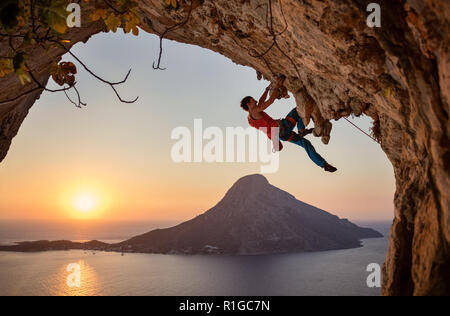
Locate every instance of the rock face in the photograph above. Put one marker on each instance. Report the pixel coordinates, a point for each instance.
(255, 218)
(335, 66)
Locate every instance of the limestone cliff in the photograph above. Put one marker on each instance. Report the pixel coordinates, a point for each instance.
(335, 66)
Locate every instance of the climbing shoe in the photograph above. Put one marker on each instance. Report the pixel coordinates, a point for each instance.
(329, 168)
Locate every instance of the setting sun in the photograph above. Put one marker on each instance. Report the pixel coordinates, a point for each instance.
(85, 203)
(86, 200)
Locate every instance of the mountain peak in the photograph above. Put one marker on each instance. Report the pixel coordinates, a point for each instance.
(248, 186)
(254, 217)
(252, 180)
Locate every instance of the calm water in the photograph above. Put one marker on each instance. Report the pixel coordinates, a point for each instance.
(340, 272)
(13, 231)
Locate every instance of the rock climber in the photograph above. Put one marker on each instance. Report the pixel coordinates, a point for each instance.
(259, 119)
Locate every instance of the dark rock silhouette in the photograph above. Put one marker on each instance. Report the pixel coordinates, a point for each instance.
(255, 217)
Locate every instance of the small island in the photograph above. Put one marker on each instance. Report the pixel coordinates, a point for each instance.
(253, 218)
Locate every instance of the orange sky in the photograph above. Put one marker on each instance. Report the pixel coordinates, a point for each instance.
(119, 155)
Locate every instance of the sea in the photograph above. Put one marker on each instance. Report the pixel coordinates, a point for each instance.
(88, 273)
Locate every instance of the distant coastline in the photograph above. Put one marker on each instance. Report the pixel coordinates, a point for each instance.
(95, 245)
(9, 243)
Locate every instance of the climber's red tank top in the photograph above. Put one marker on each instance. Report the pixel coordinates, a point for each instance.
(266, 122)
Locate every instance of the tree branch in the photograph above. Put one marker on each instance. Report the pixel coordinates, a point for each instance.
(167, 31)
(111, 84)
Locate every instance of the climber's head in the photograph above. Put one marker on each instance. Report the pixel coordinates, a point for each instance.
(246, 102)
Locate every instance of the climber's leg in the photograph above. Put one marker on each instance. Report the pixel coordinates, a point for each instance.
(286, 127)
(295, 119)
(306, 144)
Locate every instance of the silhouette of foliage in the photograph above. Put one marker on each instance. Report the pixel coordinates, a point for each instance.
(25, 24)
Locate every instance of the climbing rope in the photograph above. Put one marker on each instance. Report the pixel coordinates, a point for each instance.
(373, 138)
(274, 35)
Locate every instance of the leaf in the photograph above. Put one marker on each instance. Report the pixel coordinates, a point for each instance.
(20, 21)
(54, 14)
(172, 3)
(59, 27)
(64, 73)
(112, 22)
(131, 22)
(6, 67)
(98, 14)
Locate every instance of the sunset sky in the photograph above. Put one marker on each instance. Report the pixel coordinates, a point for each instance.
(111, 161)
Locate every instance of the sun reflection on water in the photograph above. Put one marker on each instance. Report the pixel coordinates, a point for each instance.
(89, 286)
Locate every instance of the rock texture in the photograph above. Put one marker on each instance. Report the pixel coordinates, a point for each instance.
(336, 66)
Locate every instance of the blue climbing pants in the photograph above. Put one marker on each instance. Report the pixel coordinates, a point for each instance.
(287, 134)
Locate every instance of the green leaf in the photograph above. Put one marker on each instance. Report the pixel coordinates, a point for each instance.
(53, 13)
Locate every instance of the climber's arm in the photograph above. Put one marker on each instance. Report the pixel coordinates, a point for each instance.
(263, 104)
(264, 96)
